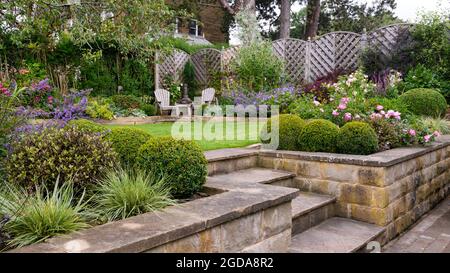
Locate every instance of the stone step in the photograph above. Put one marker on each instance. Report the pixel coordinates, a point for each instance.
(230, 160)
(336, 235)
(310, 209)
(253, 175)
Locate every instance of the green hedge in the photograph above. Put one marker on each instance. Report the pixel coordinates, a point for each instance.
(88, 126)
(425, 102)
(357, 138)
(182, 163)
(126, 142)
(318, 135)
(289, 128)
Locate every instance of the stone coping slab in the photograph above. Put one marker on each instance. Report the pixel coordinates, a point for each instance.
(381, 159)
(149, 230)
(232, 153)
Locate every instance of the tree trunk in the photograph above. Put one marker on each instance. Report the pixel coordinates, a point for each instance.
(312, 19)
(285, 19)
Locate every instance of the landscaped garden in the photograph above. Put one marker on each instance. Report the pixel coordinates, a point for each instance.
(65, 167)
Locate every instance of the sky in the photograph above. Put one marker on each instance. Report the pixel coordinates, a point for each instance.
(406, 10)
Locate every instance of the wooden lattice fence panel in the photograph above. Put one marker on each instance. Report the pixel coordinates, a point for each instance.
(347, 50)
(304, 61)
(206, 63)
(389, 39)
(172, 66)
(322, 56)
(293, 53)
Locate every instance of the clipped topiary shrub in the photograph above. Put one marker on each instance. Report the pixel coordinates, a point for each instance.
(318, 135)
(181, 162)
(425, 102)
(126, 142)
(126, 101)
(70, 154)
(357, 138)
(149, 109)
(87, 126)
(289, 128)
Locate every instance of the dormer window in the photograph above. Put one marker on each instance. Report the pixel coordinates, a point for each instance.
(194, 28)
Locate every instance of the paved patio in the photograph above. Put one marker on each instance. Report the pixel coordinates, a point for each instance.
(430, 235)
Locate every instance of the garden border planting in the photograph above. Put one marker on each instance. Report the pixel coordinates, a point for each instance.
(392, 189)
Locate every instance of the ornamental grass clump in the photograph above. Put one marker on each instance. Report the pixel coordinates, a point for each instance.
(35, 217)
(122, 193)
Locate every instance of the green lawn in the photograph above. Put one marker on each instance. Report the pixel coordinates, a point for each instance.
(234, 134)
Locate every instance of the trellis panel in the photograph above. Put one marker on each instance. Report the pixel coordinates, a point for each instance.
(206, 62)
(304, 61)
(172, 66)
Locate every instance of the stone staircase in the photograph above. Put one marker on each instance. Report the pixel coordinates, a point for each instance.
(315, 228)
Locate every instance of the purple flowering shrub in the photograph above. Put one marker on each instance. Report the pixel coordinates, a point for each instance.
(282, 97)
(38, 95)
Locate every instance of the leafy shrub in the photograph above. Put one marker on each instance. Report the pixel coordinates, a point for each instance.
(318, 135)
(431, 46)
(181, 162)
(126, 101)
(422, 77)
(389, 133)
(307, 107)
(149, 109)
(87, 126)
(318, 88)
(123, 193)
(99, 109)
(289, 126)
(126, 142)
(189, 79)
(388, 104)
(257, 68)
(35, 217)
(357, 138)
(426, 102)
(68, 153)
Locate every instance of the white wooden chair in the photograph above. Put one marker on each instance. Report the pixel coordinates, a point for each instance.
(208, 96)
(162, 98)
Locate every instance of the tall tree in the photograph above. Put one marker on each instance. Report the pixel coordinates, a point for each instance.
(312, 18)
(285, 19)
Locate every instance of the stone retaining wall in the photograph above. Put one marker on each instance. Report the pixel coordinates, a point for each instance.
(392, 188)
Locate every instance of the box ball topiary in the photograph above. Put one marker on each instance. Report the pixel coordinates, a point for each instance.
(88, 126)
(181, 162)
(357, 138)
(318, 135)
(126, 142)
(68, 153)
(289, 126)
(425, 102)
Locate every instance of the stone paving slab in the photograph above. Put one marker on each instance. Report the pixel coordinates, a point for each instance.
(430, 235)
(335, 235)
